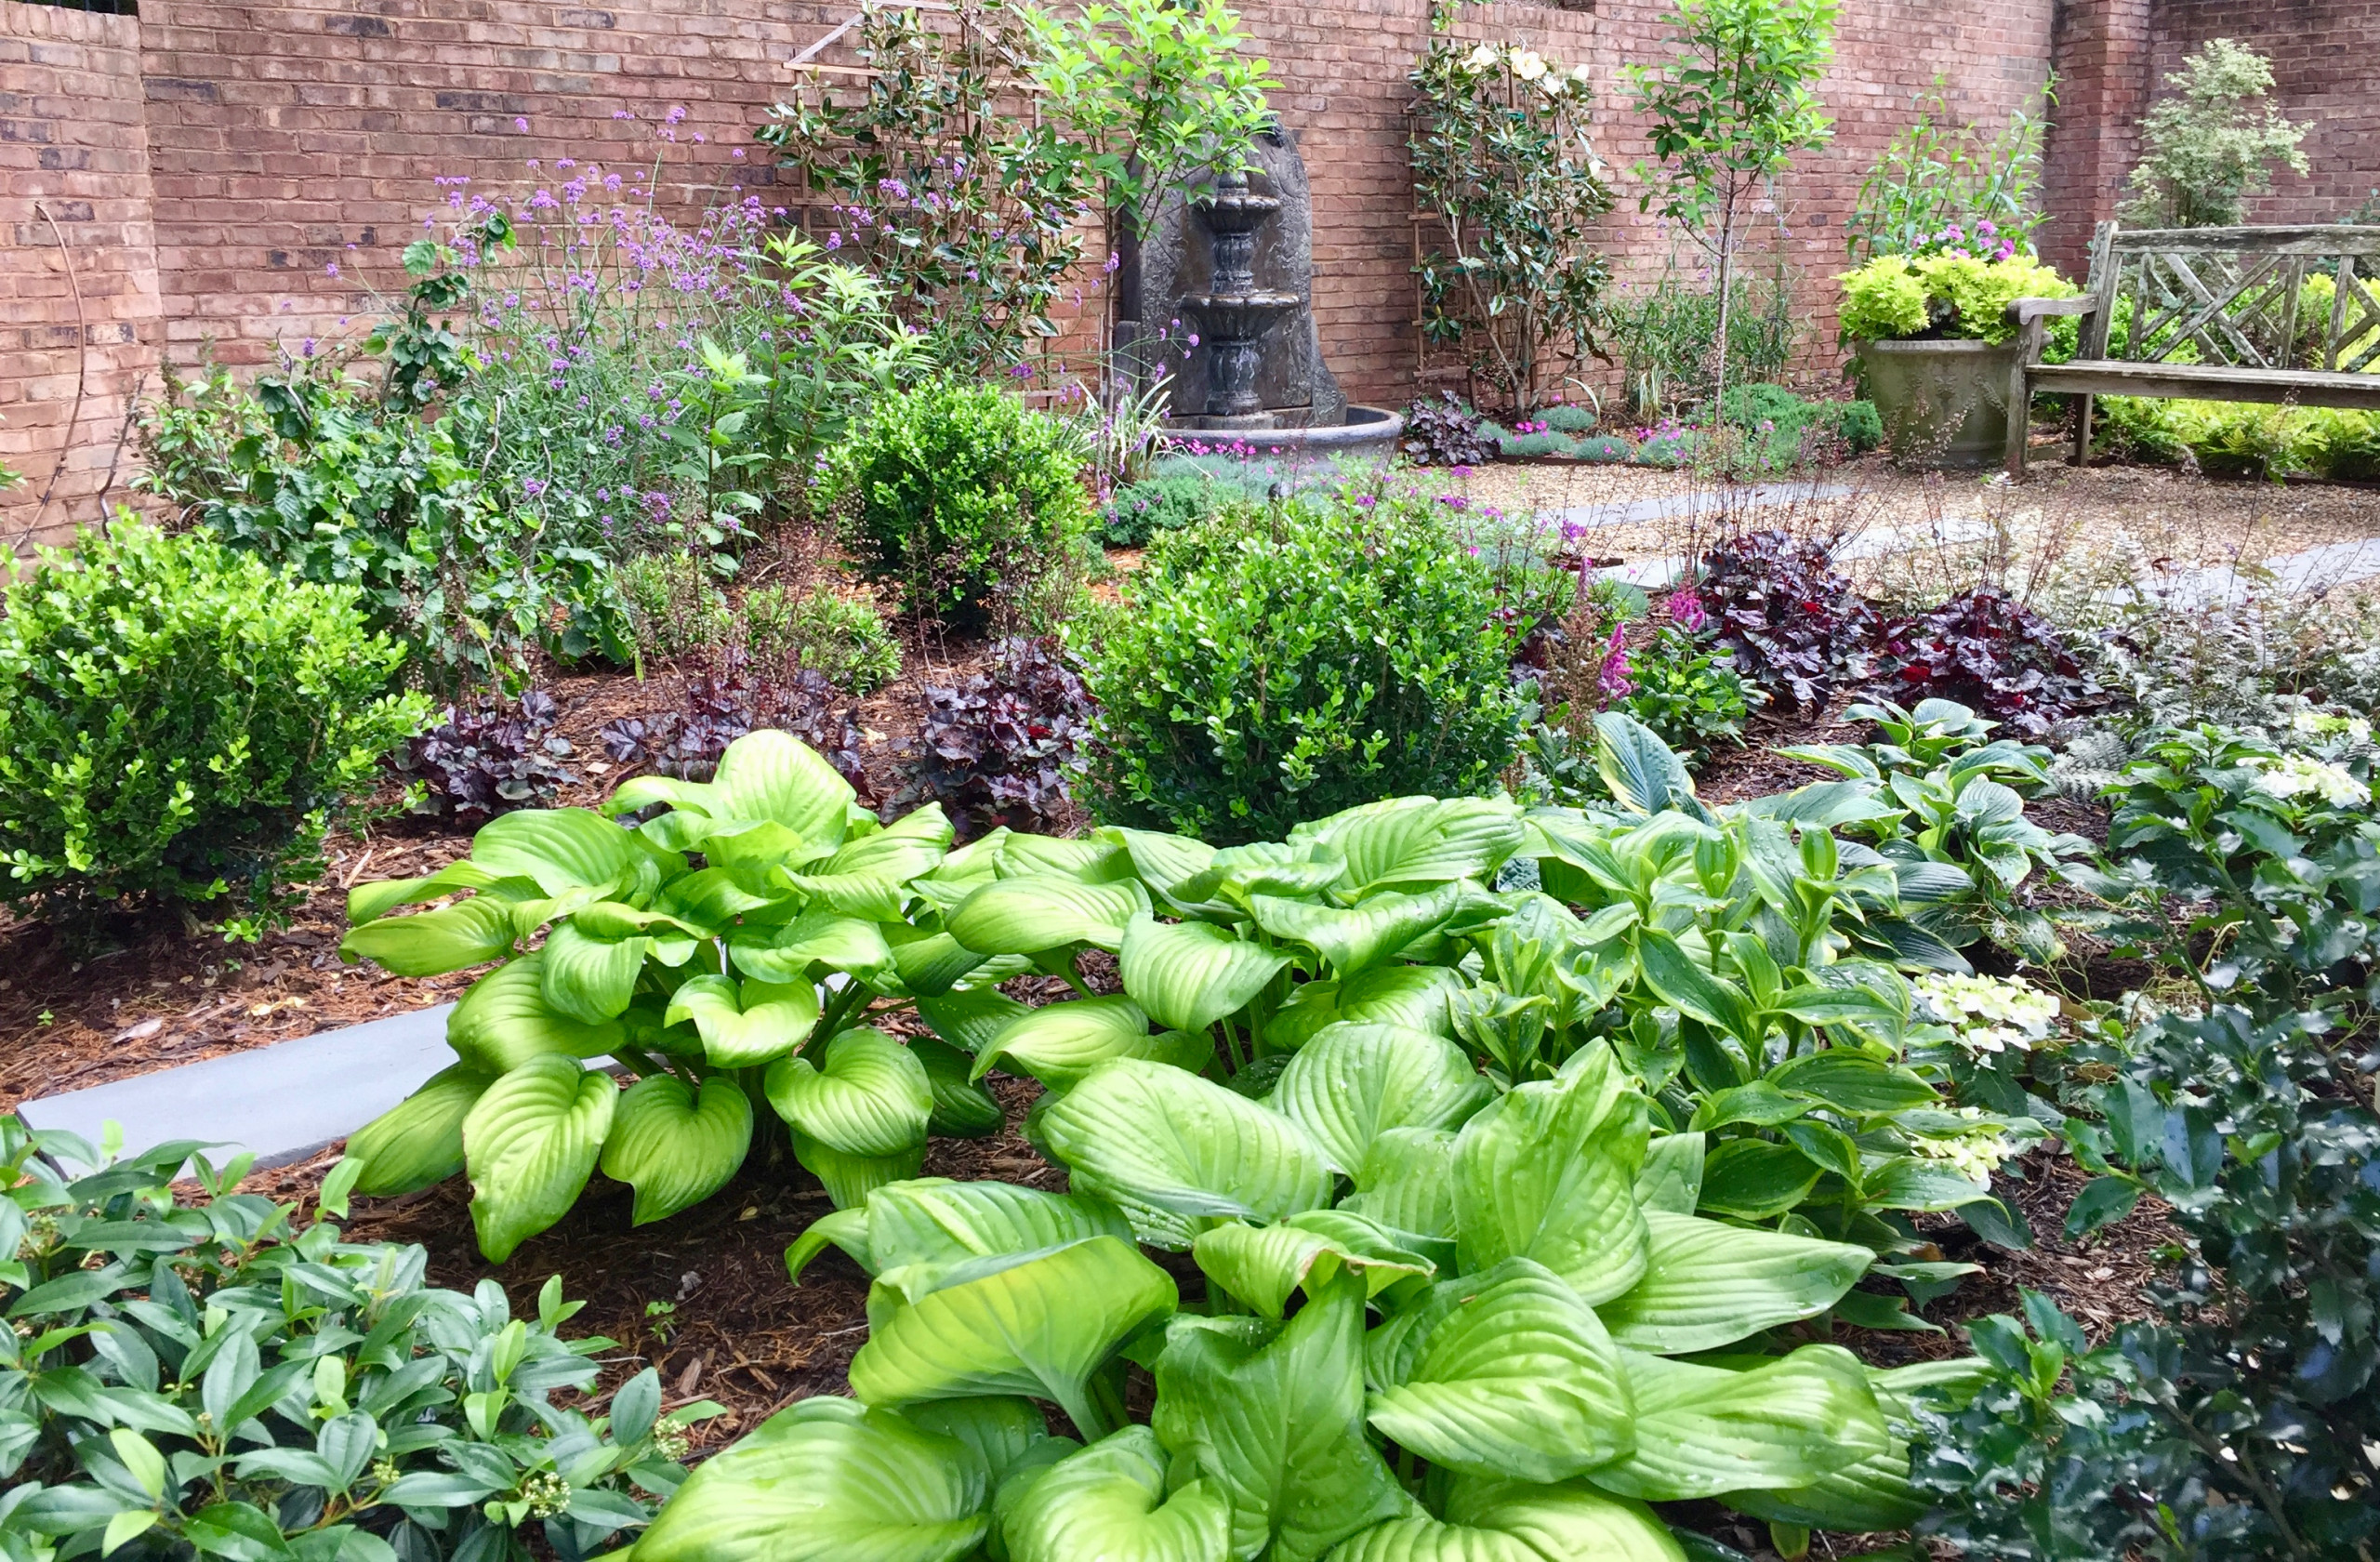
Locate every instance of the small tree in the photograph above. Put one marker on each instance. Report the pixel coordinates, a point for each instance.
(1156, 90)
(1728, 112)
(2214, 144)
(1502, 158)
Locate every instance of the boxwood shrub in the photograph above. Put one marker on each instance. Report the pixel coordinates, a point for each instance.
(1284, 664)
(178, 723)
(958, 497)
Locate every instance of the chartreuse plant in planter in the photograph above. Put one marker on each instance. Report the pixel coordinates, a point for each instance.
(1437, 1322)
(738, 992)
(210, 1378)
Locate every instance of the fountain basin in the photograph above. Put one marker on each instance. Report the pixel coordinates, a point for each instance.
(1370, 434)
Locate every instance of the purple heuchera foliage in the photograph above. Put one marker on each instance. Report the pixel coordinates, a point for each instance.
(1000, 749)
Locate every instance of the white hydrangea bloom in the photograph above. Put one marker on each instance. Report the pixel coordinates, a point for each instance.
(1991, 1013)
(2306, 721)
(2294, 775)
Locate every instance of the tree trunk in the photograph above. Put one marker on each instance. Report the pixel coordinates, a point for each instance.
(1727, 296)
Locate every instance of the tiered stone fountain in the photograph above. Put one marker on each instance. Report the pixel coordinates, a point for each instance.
(1227, 315)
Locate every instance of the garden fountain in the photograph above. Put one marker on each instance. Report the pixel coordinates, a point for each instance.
(1228, 316)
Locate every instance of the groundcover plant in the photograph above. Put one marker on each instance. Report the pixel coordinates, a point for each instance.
(1498, 1213)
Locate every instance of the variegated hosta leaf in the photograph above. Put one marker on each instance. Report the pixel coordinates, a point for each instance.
(1027, 916)
(932, 1220)
(1351, 1083)
(504, 1020)
(1407, 1182)
(826, 939)
(418, 1142)
(530, 1143)
(1262, 1266)
(674, 1146)
(1520, 1521)
(1109, 1501)
(1413, 997)
(430, 943)
(1707, 1285)
(744, 1023)
(1273, 1414)
(1504, 1372)
(1549, 1172)
(1164, 1137)
(828, 1481)
(1040, 1324)
(1190, 974)
(1417, 841)
(1704, 1430)
(1352, 938)
(868, 1097)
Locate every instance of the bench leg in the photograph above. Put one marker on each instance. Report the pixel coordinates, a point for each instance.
(2082, 430)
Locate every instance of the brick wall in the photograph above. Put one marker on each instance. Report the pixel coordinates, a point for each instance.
(2322, 54)
(78, 279)
(209, 163)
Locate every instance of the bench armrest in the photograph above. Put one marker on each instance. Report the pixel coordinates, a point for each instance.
(2023, 309)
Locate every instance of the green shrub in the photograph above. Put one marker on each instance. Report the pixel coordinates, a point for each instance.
(960, 499)
(1569, 418)
(1163, 503)
(246, 1385)
(1322, 654)
(1688, 693)
(674, 604)
(1895, 297)
(841, 640)
(1784, 422)
(180, 721)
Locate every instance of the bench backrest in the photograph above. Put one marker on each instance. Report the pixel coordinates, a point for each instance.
(2251, 298)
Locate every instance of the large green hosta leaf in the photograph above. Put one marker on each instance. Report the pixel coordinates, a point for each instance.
(1041, 1324)
(530, 1143)
(1059, 1043)
(766, 776)
(418, 1142)
(963, 1108)
(971, 1018)
(1704, 1430)
(1417, 841)
(1412, 996)
(1549, 1172)
(674, 1146)
(828, 1481)
(1351, 1083)
(932, 1220)
(591, 979)
(744, 1023)
(1519, 1521)
(561, 849)
(1505, 1372)
(367, 903)
(1262, 1266)
(1190, 974)
(1274, 1415)
(815, 939)
(867, 1097)
(1109, 1502)
(504, 1020)
(1352, 938)
(1873, 1494)
(430, 943)
(1027, 916)
(847, 1178)
(1407, 1182)
(1707, 1285)
(1156, 1135)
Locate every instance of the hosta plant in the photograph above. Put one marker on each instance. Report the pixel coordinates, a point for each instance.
(1420, 1318)
(738, 993)
(213, 1379)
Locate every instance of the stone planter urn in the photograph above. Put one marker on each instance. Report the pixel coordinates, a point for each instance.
(1943, 403)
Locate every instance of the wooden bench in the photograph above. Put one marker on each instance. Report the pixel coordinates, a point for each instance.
(2232, 294)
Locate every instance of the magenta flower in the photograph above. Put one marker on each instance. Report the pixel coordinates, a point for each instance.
(521, 124)
(1686, 611)
(1613, 677)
